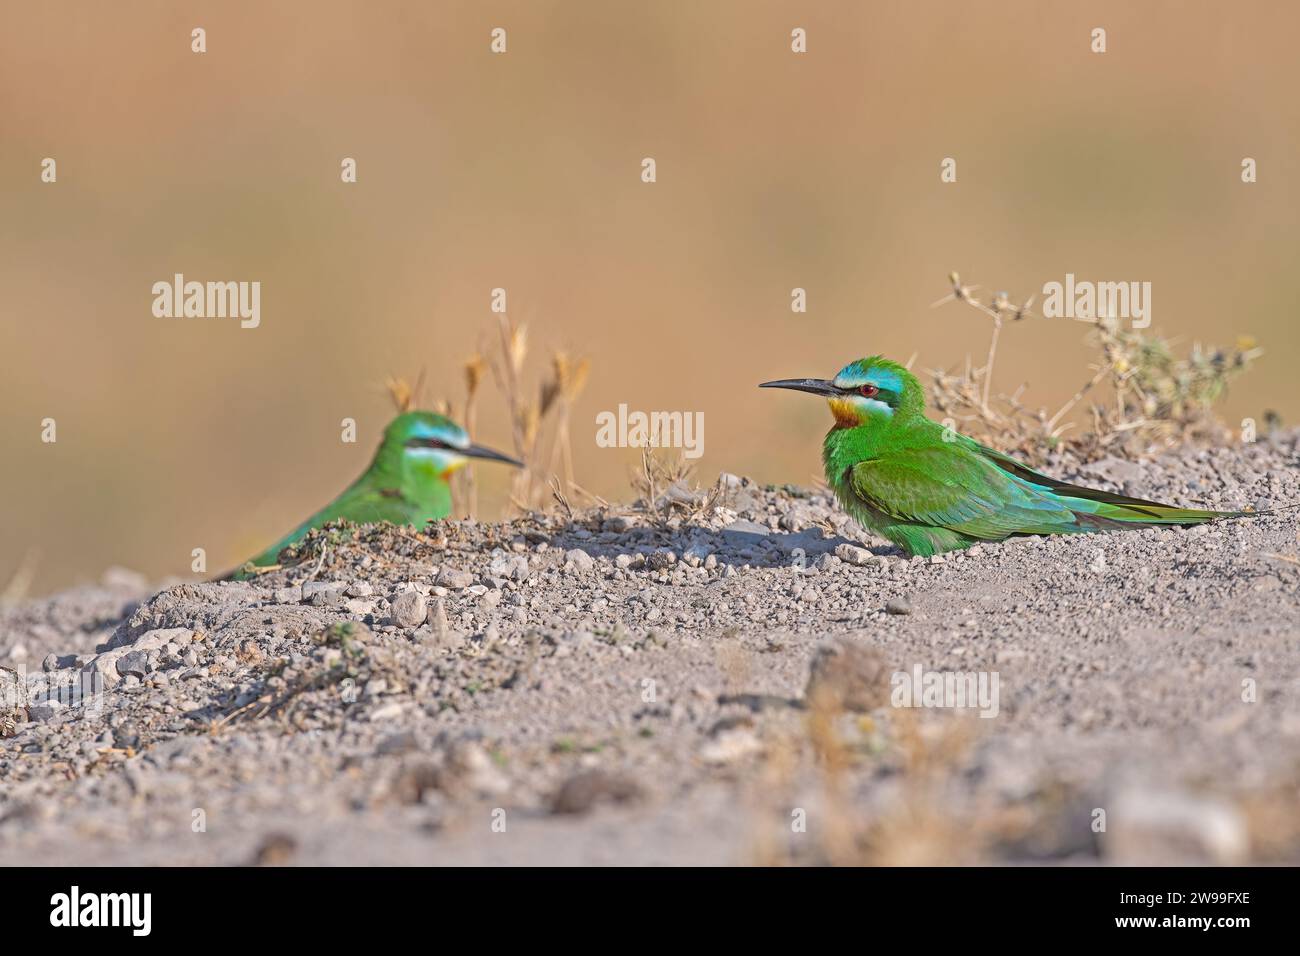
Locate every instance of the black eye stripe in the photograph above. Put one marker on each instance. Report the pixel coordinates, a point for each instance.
(426, 443)
(886, 395)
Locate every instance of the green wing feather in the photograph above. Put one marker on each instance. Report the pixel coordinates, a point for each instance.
(1105, 504)
(938, 498)
(951, 488)
(363, 503)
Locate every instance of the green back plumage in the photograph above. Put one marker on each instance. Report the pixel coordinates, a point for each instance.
(405, 483)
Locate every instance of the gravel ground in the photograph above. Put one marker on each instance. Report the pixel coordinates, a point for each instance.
(708, 681)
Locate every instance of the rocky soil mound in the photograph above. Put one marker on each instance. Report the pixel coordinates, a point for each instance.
(716, 678)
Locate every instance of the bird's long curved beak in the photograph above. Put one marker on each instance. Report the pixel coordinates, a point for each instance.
(478, 451)
(817, 386)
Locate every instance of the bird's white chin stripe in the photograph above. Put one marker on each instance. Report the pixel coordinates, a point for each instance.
(442, 458)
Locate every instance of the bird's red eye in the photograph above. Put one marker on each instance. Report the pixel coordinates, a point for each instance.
(868, 390)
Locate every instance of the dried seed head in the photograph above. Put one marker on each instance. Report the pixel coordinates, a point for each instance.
(547, 395)
(402, 394)
(474, 368)
(530, 420)
(578, 380)
(517, 348)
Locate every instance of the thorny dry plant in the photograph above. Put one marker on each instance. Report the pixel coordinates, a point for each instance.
(541, 435)
(1149, 396)
(406, 397)
(539, 428)
(666, 486)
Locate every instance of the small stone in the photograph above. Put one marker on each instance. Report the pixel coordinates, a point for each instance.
(694, 556)
(852, 554)
(133, 662)
(437, 616)
(513, 567)
(898, 606)
(311, 590)
(578, 560)
(101, 672)
(409, 609)
(455, 579)
(360, 589)
(744, 527)
(583, 791)
(161, 637)
(45, 709)
(730, 746)
(126, 736)
(848, 674)
(661, 558)
(389, 711)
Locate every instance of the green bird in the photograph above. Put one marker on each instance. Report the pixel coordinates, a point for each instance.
(930, 490)
(406, 483)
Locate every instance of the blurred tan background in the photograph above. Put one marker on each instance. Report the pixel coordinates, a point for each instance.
(523, 170)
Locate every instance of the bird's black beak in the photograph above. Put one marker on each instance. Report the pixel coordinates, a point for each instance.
(817, 386)
(478, 451)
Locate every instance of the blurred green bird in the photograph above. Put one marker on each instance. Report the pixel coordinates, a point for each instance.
(930, 490)
(407, 481)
